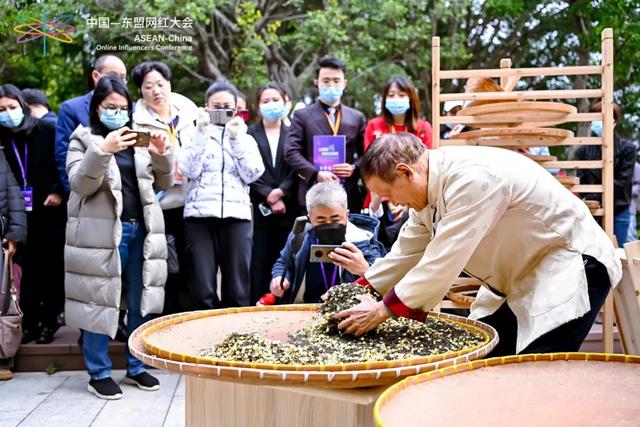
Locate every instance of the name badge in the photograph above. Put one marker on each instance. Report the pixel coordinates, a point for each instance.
(27, 195)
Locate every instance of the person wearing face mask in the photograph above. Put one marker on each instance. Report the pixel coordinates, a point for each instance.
(400, 113)
(328, 116)
(624, 157)
(220, 162)
(75, 111)
(161, 110)
(329, 224)
(273, 195)
(28, 147)
(115, 242)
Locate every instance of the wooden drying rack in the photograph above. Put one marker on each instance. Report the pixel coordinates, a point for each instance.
(508, 80)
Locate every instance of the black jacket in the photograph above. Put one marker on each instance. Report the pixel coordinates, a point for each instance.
(298, 152)
(281, 176)
(42, 174)
(624, 159)
(13, 220)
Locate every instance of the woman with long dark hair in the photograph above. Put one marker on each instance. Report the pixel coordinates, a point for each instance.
(273, 196)
(115, 232)
(28, 146)
(400, 113)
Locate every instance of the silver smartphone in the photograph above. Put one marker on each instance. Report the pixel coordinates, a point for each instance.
(265, 210)
(221, 116)
(320, 253)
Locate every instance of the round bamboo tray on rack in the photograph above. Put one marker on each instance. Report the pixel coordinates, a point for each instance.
(557, 389)
(174, 343)
(519, 114)
(510, 137)
(539, 158)
(463, 293)
(592, 204)
(568, 181)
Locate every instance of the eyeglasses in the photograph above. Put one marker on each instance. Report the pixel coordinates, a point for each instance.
(124, 77)
(116, 110)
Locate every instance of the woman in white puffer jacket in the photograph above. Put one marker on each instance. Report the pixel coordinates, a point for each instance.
(220, 162)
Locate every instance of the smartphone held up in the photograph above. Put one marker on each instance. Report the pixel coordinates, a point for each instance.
(221, 116)
(143, 138)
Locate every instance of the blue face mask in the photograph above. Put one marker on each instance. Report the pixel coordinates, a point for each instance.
(397, 106)
(12, 118)
(272, 111)
(596, 127)
(114, 119)
(330, 94)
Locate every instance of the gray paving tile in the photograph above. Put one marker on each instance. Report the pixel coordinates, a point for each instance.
(69, 404)
(24, 393)
(137, 407)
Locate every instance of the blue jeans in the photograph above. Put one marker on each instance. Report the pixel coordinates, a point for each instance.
(95, 347)
(632, 235)
(621, 226)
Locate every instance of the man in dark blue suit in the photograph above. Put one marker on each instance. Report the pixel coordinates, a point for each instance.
(327, 116)
(75, 111)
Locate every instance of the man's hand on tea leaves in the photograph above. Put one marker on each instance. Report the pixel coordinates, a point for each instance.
(364, 317)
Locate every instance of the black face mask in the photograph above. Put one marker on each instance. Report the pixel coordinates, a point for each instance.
(331, 233)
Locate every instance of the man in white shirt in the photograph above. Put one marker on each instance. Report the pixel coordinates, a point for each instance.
(545, 264)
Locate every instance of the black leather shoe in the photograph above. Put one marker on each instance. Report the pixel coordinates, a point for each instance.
(46, 335)
(29, 335)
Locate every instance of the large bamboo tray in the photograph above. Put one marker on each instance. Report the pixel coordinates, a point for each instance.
(520, 114)
(558, 389)
(174, 343)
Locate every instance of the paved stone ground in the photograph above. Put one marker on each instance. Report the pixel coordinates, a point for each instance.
(37, 399)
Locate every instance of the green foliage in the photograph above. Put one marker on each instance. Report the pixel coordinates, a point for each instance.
(253, 41)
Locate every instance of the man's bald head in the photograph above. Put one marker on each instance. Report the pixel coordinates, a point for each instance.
(108, 64)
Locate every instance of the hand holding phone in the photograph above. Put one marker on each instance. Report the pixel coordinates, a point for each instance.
(221, 116)
(143, 138)
(320, 253)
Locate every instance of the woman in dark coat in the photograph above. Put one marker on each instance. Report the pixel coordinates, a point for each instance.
(13, 228)
(28, 147)
(273, 195)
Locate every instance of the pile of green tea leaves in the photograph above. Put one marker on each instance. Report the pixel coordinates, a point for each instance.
(322, 343)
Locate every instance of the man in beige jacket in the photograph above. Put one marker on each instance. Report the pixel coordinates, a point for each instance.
(545, 264)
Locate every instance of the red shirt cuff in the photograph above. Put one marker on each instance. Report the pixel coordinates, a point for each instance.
(398, 308)
(362, 281)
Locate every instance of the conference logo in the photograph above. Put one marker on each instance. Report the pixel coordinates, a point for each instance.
(57, 29)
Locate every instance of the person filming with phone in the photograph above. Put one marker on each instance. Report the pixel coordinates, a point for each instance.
(115, 243)
(220, 162)
(318, 264)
